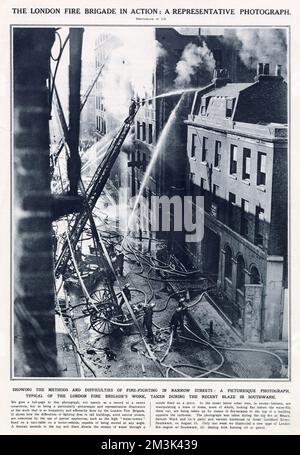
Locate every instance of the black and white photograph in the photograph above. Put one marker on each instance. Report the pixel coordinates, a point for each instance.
(150, 202)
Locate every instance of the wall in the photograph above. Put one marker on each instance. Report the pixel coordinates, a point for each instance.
(35, 348)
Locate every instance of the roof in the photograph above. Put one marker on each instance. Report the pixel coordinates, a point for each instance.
(229, 90)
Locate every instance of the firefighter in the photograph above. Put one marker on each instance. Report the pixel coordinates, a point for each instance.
(148, 319)
(132, 110)
(178, 317)
(127, 293)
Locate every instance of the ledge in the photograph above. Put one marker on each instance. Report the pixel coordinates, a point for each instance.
(261, 188)
(246, 182)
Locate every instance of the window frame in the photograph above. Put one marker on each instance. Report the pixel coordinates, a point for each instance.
(246, 161)
(204, 149)
(232, 161)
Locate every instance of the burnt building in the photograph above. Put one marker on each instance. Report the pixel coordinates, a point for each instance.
(237, 160)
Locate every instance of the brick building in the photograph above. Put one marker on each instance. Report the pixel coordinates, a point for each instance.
(104, 44)
(237, 159)
(34, 321)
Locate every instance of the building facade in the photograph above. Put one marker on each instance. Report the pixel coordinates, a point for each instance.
(168, 177)
(237, 160)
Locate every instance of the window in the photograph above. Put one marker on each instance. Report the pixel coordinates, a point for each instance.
(233, 160)
(229, 107)
(138, 130)
(259, 226)
(102, 125)
(254, 276)
(214, 204)
(246, 163)
(150, 133)
(218, 153)
(216, 189)
(228, 263)
(261, 168)
(240, 278)
(231, 205)
(193, 148)
(204, 148)
(204, 105)
(245, 218)
(144, 131)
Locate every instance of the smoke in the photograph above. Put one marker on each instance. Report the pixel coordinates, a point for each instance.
(129, 69)
(193, 57)
(266, 45)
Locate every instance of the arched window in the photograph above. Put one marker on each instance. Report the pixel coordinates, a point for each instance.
(254, 276)
(240, 279)
(228, 263)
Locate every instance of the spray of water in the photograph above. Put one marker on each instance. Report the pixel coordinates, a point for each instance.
(173, 93)
(97, 151)
(156, 152)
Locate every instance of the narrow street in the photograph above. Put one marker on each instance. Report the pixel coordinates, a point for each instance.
(194, 353)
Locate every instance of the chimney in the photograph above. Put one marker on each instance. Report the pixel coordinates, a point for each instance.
(263, 72)
(220, 77)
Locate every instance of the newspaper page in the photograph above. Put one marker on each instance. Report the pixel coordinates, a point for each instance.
(149, 221)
